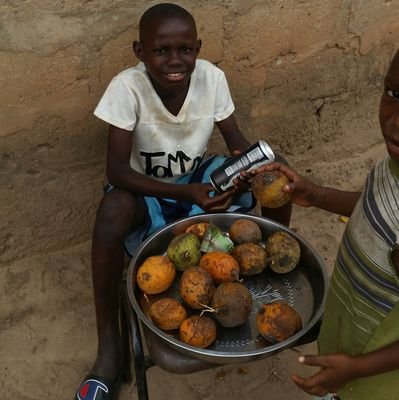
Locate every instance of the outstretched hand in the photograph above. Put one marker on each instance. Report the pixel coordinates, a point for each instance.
(337, 370)
(304, 193)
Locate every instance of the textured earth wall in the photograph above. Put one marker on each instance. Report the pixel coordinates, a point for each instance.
(305, 75)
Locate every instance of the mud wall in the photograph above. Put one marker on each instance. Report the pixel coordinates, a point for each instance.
(305, 75)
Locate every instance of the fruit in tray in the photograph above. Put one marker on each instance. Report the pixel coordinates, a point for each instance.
(196, 287)
(244, 230)
(284, 252)
(267, 189)
(221, 266)
(167, 314)
(155, 274)
(211, 267)
(184, 250)
(252, 258)
(198, 229)
(232, 304)
(277, 321)
(198, 331)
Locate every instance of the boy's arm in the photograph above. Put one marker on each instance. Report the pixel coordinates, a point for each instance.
(339, 369)
(307, 194)
(121, 175)
(235, 140)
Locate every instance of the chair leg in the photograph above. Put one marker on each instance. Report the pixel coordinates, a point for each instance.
(141, 363)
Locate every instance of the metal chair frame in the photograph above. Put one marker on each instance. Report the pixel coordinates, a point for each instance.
(132, 340)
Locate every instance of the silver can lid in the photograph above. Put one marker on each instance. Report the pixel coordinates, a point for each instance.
(267, 150)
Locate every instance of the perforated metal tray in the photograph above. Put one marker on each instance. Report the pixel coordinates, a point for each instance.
(304, 288)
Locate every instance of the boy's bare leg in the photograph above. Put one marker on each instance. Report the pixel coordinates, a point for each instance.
(281, 214)
(119, 212)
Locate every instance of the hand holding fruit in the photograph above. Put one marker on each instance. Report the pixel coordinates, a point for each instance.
(301, 191)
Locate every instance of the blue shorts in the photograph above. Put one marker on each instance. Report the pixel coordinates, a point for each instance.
(164, 211)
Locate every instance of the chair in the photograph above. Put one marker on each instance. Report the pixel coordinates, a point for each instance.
(159, 352)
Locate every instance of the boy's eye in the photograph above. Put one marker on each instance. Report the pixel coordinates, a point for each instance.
(187, 49)
(392, 93)
(160, 51)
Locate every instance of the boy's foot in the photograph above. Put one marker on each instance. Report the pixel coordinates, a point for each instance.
(95, 387)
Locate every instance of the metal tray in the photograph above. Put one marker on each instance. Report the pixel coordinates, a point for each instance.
(304, 288)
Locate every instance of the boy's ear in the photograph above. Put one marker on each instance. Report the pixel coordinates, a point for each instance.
(138, 50)
(198, 45)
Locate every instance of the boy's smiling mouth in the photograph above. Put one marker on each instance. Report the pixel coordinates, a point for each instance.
(175, 76)
(392, 146)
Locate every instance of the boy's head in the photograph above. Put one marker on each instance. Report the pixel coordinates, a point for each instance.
(389, 109)
(164, 11)
(168, 46)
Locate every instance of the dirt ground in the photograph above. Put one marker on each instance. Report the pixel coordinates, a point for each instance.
(48, 341)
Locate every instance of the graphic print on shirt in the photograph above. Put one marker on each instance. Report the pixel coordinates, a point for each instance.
(180, 163)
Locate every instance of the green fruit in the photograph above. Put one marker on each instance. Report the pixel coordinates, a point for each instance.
(184, 251)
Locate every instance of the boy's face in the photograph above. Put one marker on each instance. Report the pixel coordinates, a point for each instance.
(169, 49)
(389, 109)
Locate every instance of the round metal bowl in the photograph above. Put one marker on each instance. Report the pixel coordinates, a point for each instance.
(304, 288)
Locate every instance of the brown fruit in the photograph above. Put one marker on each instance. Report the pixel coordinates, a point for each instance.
(198, 331)
(221, 266)
(251, 257)
(277, 321)
(156, 274)
(244, 230)
(198, 229)
(147, 300)
(284, 251)
(167, 314)
(267, 188)
(232, 304)
(196, 287)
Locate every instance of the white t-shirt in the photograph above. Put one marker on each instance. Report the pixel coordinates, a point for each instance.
(165, 146)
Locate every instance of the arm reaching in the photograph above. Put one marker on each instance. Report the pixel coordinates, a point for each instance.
(307, 194)
(339, 369)
(121, 175)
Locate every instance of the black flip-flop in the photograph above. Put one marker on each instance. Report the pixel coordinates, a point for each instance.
(95, 387)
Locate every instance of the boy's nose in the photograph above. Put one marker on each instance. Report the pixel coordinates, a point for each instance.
(174, 57)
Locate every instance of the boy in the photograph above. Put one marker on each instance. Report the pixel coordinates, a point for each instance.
(359, 338)
(161, 115)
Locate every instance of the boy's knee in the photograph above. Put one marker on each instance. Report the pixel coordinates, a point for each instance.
(117, 210)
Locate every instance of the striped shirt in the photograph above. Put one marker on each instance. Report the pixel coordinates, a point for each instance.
(364, 286)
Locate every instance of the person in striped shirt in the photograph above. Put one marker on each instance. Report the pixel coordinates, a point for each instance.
(359, 338)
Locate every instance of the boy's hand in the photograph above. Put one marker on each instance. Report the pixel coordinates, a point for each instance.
(304, 193)
(243, 182)
(218, 203)
(337, 370)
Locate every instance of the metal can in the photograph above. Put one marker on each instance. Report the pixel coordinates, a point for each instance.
(253, 157)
